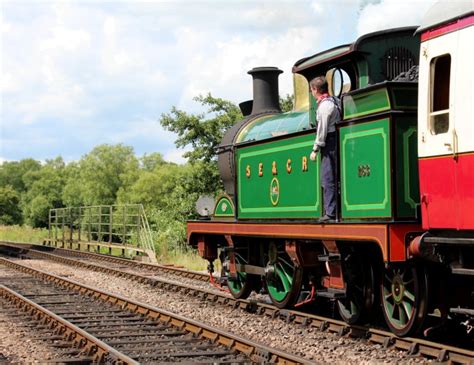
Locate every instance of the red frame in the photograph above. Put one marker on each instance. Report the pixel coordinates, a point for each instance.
(447, 192)
(391, 238)
(447, 28)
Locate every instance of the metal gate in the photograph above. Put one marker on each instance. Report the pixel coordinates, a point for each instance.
(114, 227)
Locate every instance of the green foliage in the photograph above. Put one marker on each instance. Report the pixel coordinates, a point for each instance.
(36, 211)
(202, 131)
(12, 173)
(10, 211)
(44, 191)
(72, 191)
(152, 161)
(286, 103)
(102, 173)
(170, 233)
(152, 188)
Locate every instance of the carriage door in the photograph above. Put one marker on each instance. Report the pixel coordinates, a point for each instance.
(437, 145)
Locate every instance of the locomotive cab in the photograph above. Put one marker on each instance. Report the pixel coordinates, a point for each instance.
(264, 160)
(377, 134)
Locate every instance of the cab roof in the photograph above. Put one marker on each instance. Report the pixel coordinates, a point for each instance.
(346, 51)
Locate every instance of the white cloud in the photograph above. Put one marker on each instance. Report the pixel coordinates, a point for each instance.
(141, 129)
(176, 156)
(225, 74)
(65, 39)
(96, 72)
(391, 14)
(110, 27)
(317, 7)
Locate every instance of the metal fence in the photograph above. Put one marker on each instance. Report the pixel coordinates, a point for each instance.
(123, 227)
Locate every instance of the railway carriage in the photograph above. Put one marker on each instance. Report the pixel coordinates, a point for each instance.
(405, 180)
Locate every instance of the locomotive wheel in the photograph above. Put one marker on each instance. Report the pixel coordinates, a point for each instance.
(360, 279)
(404, 292)
(284, 284)
(242, 286)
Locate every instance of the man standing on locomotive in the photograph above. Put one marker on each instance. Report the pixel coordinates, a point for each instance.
(327, 115)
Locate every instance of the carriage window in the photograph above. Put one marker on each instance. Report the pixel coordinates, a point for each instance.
(439, 108)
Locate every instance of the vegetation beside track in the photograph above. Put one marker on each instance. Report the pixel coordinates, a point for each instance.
(188, 259)
(25, 234)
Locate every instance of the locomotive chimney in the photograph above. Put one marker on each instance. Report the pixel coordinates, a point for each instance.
(265, 90)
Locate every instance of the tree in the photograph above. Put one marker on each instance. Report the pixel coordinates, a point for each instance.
(12, 187)
(152, 161)
(10, 211)
(12, 172)
(44, 191)
(104, 171)
(203, 131)
(153, 188)
(169, 217)
(286, 103)
(72, 192)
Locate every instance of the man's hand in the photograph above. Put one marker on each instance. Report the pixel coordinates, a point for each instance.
(313, 155)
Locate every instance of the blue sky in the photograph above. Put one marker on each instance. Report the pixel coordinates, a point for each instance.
(75, 74)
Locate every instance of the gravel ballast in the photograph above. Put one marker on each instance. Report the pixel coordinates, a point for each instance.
(311, 343)
(18, 343)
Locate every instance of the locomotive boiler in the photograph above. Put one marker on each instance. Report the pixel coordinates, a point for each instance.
(404, 236)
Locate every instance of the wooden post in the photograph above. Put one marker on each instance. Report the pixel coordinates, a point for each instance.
(79, 229)
(111, 222)
(63, 223)
(100, 228)
(71, 227)
(89, 236)
(139, 216)
(49, 225)
(124, 230)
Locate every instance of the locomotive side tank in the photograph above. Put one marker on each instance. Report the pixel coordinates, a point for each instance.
(265, 228)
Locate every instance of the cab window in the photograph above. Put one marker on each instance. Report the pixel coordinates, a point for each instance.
(339, 82)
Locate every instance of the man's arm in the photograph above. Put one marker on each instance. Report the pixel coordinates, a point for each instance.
(325, 110)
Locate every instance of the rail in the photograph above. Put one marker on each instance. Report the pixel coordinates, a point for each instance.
(254, 351)
(429, 349)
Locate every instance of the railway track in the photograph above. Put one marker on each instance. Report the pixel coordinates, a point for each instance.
(107, 328)
(157, 268)
(429, 349)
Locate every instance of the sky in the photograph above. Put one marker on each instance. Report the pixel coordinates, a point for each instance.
(76, 74)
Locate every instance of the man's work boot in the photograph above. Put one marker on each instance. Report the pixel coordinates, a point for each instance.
(326, 218)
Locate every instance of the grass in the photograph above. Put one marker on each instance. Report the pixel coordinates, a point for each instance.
(188, 259)
(23, 234)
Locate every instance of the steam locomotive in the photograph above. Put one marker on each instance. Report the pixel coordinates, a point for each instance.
(404, 236)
